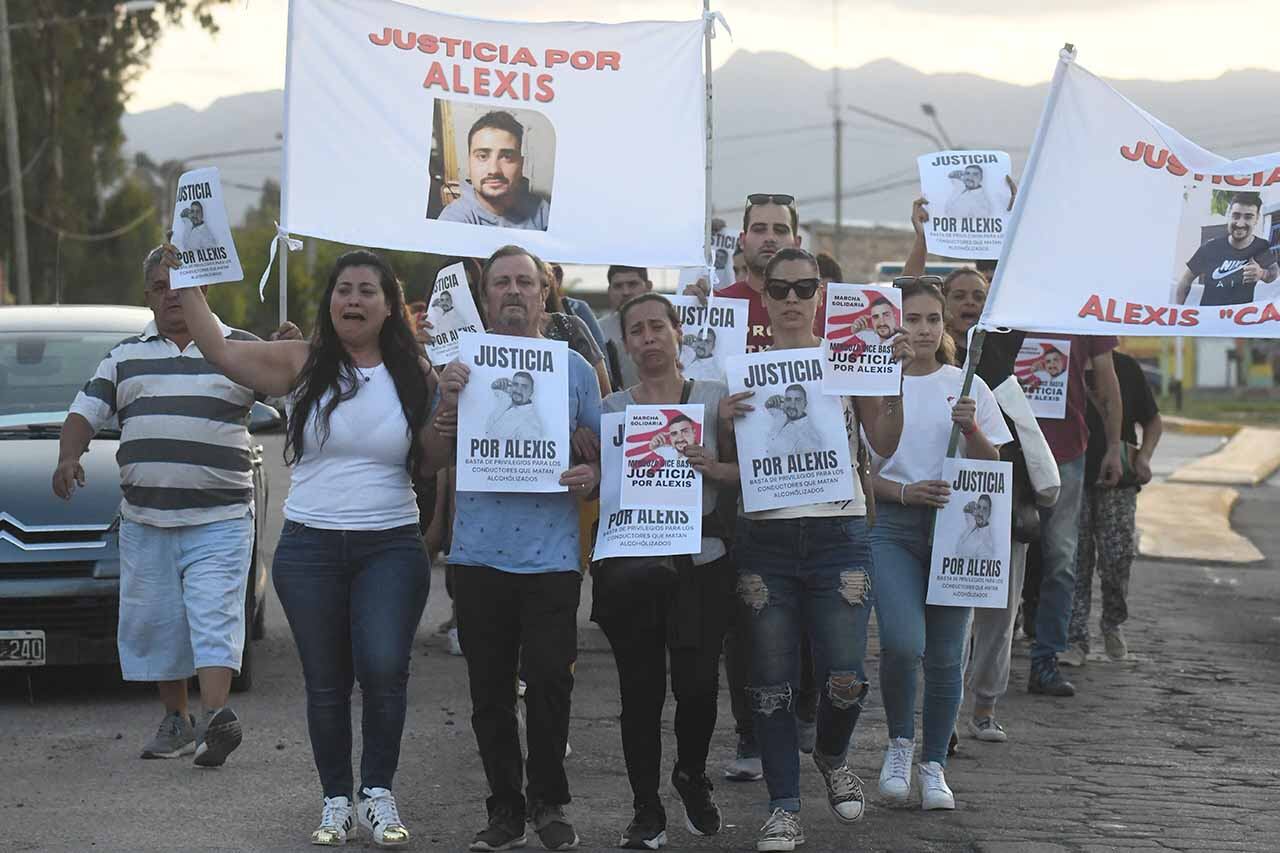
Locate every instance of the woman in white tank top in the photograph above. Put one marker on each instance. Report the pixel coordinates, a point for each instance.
(350, 569)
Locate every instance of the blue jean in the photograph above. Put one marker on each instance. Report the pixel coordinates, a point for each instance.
(353, 599)
(1059, 535)
(798, 576)
(911, 630)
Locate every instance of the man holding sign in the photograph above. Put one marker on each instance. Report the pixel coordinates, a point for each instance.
(517, 582)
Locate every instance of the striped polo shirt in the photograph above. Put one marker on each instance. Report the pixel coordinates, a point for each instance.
(184, 438)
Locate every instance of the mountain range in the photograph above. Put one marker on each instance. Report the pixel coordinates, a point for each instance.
(773, 128)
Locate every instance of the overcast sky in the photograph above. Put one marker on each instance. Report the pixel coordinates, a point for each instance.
(1012, 40)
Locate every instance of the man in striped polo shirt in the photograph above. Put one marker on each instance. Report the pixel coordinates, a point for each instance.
(186, 521)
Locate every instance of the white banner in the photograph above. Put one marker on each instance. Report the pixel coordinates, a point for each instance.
(452, 312)
(1043, 368)
(861, 324)
(793, 449)
(713, 333)
(513, 416)
(1124, 227)
(476, 133)
(201, 233)
(655, 472)
(969, 200)
(970, 564)
(636, 532)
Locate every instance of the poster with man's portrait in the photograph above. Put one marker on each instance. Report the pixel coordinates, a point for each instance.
(513, 415)
(1226, 253)
(793, 448)
(712, 333)
(636, 532)
(862, 324)
(969, 201)
(201, 233)
(724, 241)
(970, 562)
(1043, 368)
(656, 471)
(452, 312)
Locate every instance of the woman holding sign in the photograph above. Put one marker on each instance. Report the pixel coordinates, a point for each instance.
(650, 608)
(352, 576)
(806, 569)
(908, 487)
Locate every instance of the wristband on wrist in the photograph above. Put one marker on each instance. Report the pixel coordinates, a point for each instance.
(968, 431)
(902, 495)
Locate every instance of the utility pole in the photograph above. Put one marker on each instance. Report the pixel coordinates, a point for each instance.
(838, 128)
(18, 205)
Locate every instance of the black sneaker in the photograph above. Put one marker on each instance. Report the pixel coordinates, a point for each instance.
(647, 830)
(1048, 681)
(701, 814)
(217, 736)
(504, 832)
(553, 828)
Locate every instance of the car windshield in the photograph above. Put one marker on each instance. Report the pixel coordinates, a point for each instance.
(40, 372)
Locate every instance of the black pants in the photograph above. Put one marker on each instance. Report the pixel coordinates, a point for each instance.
(509, 623)
(638, 626)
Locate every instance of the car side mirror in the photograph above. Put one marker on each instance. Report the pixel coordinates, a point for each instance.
(264, 418)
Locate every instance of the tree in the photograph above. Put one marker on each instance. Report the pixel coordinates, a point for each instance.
(71, 79)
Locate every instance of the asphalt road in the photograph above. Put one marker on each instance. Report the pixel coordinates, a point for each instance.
(1177, 750)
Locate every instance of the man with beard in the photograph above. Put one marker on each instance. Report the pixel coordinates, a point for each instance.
(769, 224)
(977, 540)
(513, 416)
(679, 436)
(497, 192)
(793, 430)
(878, 327)
(444, 302)
(197, 234)
(697, 356)
(1231, 267)
(969, 199)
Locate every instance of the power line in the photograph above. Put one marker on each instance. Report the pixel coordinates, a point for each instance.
(734, 137)
(31, 164)
(92, 238)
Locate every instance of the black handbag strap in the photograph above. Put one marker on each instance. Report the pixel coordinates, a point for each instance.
(686, 391)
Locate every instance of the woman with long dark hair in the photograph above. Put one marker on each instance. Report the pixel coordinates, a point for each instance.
(351, 573)
(908, 487)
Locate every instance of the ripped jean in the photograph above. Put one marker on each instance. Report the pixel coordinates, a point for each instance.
(801, 576)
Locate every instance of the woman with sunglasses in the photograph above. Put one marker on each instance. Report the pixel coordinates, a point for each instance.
(806, 570)
(909, 487)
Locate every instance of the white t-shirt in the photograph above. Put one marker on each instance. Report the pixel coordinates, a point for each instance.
(926, 419)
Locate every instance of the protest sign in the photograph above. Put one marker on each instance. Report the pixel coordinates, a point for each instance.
(970, 563)
(969, 199)
(478, 133)
(793, 449)
(1191, 251)
(636, 532)
(723, 243)
(201, 233)
(655, 472)
(1043, 367)
(713, 333)
(513, 415)
(452, 313)
(861, 324)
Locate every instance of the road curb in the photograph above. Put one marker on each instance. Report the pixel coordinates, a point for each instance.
(1191, 426)
(1251, 456)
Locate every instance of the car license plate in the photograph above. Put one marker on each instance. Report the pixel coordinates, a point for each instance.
(21, 648)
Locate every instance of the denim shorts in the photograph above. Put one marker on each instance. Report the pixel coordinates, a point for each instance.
(182, 592)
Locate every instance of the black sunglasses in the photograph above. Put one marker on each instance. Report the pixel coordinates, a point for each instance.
(927, 280)
(772, 198)
(778, 288)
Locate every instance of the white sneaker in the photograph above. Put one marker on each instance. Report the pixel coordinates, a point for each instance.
(455, 647)
(337, 823)
(934, 793)
(781, 832)
(1075, 655)
(895, 773)
(379, 815)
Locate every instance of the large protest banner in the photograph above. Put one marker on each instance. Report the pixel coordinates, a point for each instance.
(793, 449)
(969, 198)
(452, 312)
(478, 133)
(513, 416)
(636, 532)
(201, 232)
(862, 322)
(1124, 227)
(970, 561)
(713, 333)
(656, 472)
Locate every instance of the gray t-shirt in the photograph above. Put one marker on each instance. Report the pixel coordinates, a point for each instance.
(709, 394)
